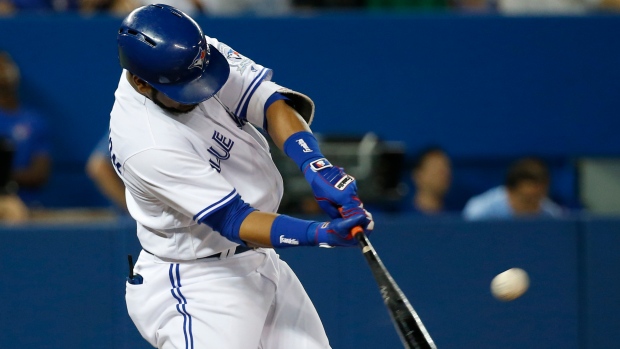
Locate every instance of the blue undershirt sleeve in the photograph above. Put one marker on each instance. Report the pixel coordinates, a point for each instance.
(228, 218)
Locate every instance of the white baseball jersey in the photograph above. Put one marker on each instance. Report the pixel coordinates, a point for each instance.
(179, 168)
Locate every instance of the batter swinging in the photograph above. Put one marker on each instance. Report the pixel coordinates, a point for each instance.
(203, 189)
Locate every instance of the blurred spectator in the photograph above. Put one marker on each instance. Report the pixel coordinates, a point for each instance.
(27, 131)
(550, 7)
(524, 194)
(9, 7)
(12, 208)
(100, 170)
(554, 6)
(114, 7)
(473, 5)
(191, 7)
(431, 176)
(227, 7)
(323, 4)
(87, 7)
(409, 4)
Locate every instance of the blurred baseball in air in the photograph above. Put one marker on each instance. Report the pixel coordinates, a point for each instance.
(510, 284)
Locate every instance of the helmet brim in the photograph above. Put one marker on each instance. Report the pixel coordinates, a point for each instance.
(202, 88)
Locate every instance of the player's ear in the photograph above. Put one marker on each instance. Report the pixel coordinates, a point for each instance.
(142, 86)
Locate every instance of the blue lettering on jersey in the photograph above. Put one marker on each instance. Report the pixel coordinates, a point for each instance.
(224, 146)
(115, 163)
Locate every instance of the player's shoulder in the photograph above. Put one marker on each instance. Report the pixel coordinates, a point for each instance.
(228, 52)
(136, 124)
(240, 65)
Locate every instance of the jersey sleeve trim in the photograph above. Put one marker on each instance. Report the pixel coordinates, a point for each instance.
(209, 209)
(242, 108)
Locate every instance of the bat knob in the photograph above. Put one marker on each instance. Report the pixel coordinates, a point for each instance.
(356, 230)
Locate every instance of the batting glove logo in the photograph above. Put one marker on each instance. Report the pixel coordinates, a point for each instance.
(320, 164)
(344, 182)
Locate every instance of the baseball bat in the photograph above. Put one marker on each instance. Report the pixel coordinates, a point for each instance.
(408, 324)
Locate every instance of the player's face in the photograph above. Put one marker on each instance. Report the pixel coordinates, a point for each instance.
(168, 104)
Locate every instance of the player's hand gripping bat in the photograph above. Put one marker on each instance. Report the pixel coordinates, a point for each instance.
(410, 328)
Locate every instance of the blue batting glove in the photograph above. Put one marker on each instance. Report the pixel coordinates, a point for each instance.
(338, 231)
(332, 187)
(347, 212)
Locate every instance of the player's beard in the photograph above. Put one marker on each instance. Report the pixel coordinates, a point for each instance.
(155, 94)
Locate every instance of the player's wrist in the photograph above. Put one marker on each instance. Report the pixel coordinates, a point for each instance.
(287, 231)
(303, 148)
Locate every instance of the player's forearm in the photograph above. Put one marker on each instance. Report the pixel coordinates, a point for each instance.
(283, 122)
(256, 229)
(265, 229)
(239, 222)
(292, 134)
(261, 229)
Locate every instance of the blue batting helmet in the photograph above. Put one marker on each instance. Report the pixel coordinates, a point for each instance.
(166, 48)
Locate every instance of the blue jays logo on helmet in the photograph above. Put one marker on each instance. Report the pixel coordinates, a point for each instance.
(199, 61)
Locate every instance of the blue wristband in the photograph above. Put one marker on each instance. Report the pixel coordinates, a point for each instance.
(287, 231)
(302, 147)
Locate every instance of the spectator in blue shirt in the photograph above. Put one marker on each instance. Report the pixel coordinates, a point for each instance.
(524, 194)
(28, 132)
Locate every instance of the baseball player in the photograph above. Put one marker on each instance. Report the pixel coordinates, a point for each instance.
(203, 189)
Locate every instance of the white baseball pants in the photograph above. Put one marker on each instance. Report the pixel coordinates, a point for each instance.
(251, 300)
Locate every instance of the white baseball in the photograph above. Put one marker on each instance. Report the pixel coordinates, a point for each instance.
(510, 284)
